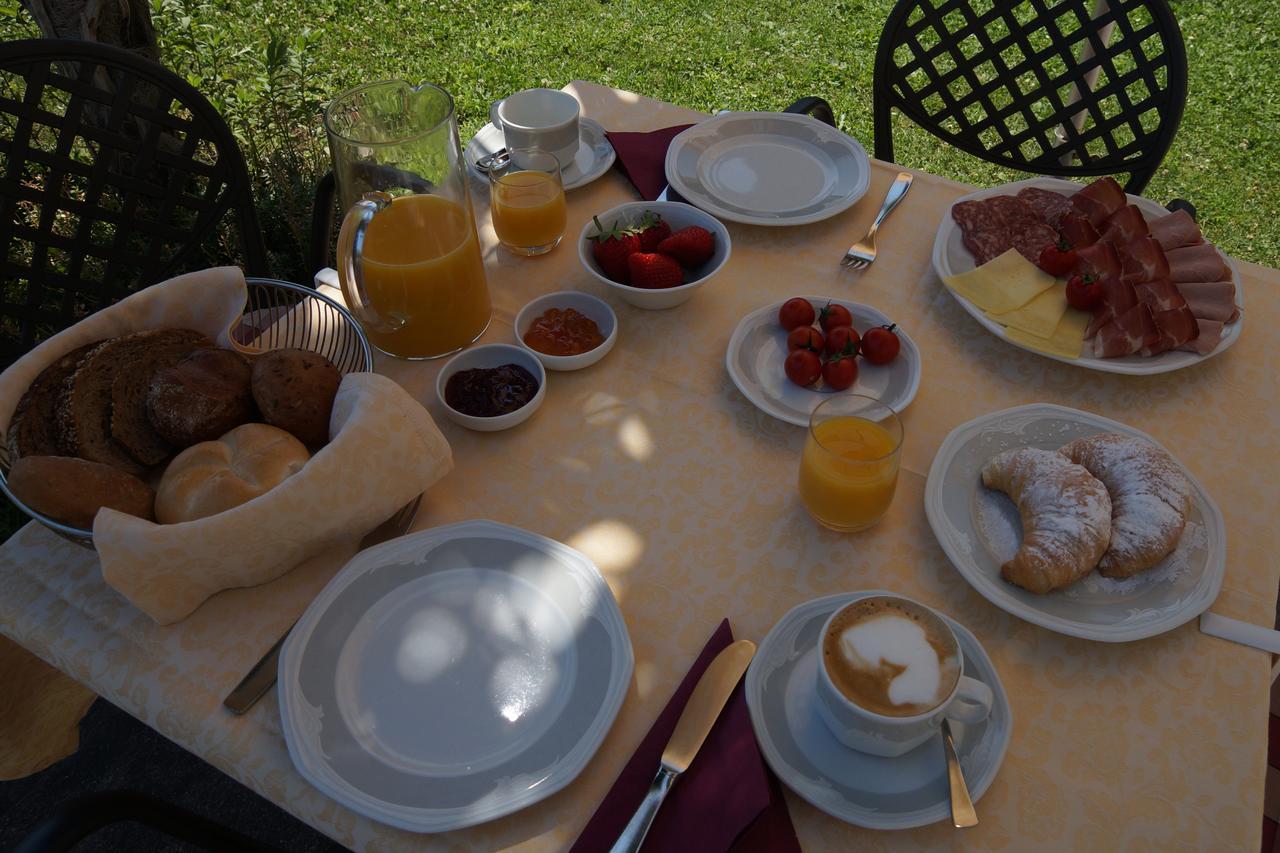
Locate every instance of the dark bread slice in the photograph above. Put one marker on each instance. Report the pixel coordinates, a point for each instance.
(129, 424)
(33, 429)
(84, 408)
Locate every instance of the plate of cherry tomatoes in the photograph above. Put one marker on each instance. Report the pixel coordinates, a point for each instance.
(788, 357)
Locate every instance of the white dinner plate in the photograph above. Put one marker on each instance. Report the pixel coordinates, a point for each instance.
(979, 529)
(768, 168)
(866, 790)
(758, 348)
(951, 257)
(452, 676)
(595, 153)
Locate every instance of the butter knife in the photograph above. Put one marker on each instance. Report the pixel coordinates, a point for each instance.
(700, 714)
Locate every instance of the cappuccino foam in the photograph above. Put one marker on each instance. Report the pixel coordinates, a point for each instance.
(891, 657)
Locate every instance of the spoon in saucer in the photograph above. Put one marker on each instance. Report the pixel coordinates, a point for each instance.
(962, 811)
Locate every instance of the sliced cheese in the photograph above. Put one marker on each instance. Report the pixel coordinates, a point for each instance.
(1067, 340)
(1040, 316)
(1002, 284)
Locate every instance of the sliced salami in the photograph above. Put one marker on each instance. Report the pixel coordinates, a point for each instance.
(1049, 206)
(1030, 238)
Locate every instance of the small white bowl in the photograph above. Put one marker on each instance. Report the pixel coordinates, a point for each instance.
(677, 215)
(492, 355)
(592, 307)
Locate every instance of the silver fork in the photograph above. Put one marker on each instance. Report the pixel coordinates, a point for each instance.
(862, 254)
(262, 676)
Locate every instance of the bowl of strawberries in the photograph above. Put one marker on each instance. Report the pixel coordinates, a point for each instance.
(654, 254)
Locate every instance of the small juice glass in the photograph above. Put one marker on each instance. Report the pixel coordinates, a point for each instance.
(527, 202)
(849, 469)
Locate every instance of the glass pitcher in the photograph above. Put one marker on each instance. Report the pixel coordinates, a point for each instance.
(408, 255)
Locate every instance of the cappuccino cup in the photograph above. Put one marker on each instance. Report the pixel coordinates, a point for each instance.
(539, 118)
(890, 670)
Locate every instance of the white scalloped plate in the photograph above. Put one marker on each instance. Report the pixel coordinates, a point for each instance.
(452, 676)
(979, 529)
(951, 257)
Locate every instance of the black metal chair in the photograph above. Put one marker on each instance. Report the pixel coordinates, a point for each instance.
(113, 173)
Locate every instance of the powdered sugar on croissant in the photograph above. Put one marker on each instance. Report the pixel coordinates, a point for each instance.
(1150, 499)
(1066, 516)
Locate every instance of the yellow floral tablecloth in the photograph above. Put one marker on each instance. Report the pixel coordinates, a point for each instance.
(684, 494)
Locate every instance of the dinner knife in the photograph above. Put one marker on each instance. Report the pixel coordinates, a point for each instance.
(699, 715)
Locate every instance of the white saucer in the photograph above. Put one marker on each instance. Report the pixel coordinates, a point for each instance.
(758, 348)
(866, 790)
(595, 154)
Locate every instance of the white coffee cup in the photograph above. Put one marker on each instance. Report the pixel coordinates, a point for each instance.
(969, 701)
(539, 118)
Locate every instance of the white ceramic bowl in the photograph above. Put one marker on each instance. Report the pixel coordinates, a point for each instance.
(492, 355)
(592, 307)
(677, 215)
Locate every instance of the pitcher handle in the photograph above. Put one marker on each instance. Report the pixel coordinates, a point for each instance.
(351, 239)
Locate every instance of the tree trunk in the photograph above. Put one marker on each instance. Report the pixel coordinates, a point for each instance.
(124, 23)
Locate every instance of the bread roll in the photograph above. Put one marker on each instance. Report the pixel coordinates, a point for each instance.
(294, 389)
(202, 397)
(215, 476)
(72, 490)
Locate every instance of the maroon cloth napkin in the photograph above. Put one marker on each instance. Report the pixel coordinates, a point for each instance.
(642, 158)
(728, 799)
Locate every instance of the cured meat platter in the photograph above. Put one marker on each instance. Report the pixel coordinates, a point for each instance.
(1209, 312)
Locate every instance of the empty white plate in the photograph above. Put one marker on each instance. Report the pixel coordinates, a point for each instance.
(867, 790)
(595, 153)
(768, 168)
(758, 348)
(979, 529)
(452, 676)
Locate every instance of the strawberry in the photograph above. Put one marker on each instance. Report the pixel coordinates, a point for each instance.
(692, 246)
(652, 230)
(611, 248)
(654, 271)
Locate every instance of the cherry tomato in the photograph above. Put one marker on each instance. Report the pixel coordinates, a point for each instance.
(834, 315)
(805, 337)
(795, 312)
(842, 340)
(840, 373)
(880, 345)
(1058, 260)
(1084, 292)
(803, 367)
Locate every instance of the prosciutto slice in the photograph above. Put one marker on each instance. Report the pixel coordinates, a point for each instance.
(1142, 260)
(1099, 260)
(1211, 300)
(1208, 339)
(1176, 230)
(1159, 295)
(1117, 297)
(1125, 225)
(1077, 231)
(1127, 334)
(1175, 327)
(1099, 200)
(1196, 263)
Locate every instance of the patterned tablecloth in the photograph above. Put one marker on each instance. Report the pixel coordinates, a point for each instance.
(684, 494)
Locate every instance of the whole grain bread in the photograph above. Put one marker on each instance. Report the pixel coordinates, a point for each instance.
(294, 390)
(73, 490)
(201, 397)
(129, 423)
(84, 407)
(33, 429)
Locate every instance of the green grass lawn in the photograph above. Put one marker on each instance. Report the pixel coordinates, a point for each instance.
(736, 54)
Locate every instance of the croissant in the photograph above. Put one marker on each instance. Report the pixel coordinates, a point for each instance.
(1066, 517)
(1150, 499)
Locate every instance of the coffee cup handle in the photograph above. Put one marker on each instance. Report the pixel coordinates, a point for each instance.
(493, 113)
(351, 262)
(972, 702)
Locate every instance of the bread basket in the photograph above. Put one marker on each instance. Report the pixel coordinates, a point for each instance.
(269, 322)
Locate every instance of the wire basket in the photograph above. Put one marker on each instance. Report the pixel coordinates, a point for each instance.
(277, 315)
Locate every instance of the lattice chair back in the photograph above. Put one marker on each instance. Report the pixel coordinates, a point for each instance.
(1055, 87)
(113, 172)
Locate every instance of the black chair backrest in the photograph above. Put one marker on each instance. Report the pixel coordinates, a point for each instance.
(113, 172)
(1004, 80)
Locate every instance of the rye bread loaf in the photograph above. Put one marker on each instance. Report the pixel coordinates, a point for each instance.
(84, 407)
(130, 425)
(203, 396)
(33, 429)
(294, 390)
(72, 490)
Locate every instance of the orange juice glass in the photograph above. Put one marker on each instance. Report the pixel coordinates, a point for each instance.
(849, 468)
(527, 202)
(408, 255)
